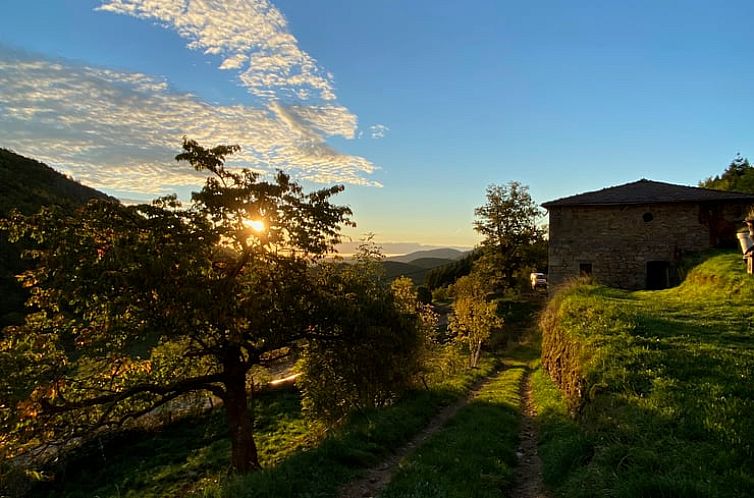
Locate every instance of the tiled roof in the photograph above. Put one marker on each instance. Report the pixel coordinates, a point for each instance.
(647, 192)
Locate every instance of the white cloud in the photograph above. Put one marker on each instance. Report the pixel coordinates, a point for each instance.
(120, 131)
(234, 62)
(252, 36)
(378, 131)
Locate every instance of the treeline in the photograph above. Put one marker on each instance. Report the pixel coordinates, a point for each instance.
(442, 276)
(737, 177)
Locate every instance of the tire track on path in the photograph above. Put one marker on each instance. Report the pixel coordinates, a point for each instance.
(376, 478)
(528, 474)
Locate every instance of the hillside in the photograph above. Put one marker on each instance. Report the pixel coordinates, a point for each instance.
(662, 385)
(444, 253)
(395, 269)
(429, 263)
(27, 185)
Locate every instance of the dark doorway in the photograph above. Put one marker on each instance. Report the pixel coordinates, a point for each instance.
(658, 275)
(585, 269)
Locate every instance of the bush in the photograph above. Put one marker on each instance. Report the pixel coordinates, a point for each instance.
(375, 349)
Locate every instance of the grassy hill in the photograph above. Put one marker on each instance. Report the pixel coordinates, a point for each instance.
(661, 384)
(27, 185)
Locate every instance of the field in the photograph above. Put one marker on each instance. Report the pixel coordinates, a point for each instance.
(660, 384)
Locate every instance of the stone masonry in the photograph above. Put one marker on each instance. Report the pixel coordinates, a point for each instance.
(619, 243)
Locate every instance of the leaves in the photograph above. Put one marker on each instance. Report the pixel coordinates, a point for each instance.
(135, 306)
(737, 177)
(508, 223)
(473, 318)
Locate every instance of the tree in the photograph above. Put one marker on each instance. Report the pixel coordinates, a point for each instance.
(473, 318)
(373, 350)
(737, 177)
(508, 223)
(136, 306)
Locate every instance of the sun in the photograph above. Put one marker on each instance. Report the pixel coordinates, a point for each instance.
(256, 225)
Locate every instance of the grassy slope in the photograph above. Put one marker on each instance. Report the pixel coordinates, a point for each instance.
(188, 456)
(662, 383)
(191, 457)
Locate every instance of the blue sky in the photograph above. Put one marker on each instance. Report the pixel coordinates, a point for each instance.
(415, 106)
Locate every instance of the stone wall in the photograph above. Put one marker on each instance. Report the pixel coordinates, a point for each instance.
(619, 241)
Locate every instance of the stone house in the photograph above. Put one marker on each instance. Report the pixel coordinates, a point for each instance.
(631, 236)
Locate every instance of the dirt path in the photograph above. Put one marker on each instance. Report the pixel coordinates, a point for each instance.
(378, 477)
(528, 477)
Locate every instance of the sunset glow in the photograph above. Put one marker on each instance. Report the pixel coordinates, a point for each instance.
(258, 226)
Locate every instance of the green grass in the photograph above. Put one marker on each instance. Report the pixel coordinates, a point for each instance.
(660, 384)
(474, 454)
(183, 458)
(362, 442)
(191, 457)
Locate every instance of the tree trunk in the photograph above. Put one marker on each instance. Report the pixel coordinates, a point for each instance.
(475, 354)
(244, 458)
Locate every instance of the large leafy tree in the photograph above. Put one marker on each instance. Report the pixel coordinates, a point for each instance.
(137, 306)
(508, 223)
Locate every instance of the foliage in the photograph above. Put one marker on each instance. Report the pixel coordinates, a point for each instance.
(441, 294)
(375, 348)
(137, 306)
(737, 177)
(660, 385)
(423, 294)
(473, 318)
(512, 241)
(27, 185)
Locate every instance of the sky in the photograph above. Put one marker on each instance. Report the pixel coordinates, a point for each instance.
(415, 106)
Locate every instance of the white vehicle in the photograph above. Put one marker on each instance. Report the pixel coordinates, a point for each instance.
(538, 281)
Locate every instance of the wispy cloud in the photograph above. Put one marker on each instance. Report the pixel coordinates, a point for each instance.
(119, 130)
(378, 131)
(251, 36)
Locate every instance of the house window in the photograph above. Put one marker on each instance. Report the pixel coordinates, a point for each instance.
(585, 269)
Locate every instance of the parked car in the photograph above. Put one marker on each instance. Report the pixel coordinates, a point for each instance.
(538, 280)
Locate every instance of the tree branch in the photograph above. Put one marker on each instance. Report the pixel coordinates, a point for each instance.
(179, 387)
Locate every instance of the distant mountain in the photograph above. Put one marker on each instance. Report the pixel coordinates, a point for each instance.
(444, 253)
(27, 185)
